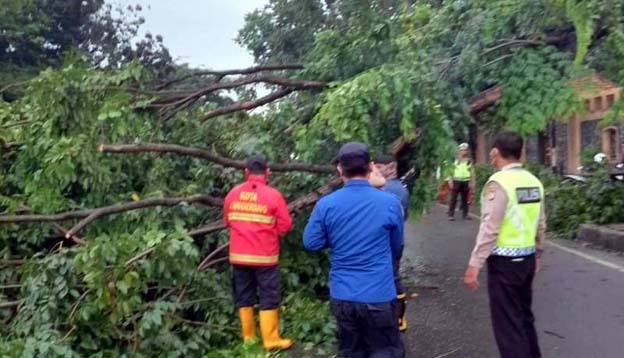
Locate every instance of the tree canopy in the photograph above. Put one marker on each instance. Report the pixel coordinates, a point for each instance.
(114, 168)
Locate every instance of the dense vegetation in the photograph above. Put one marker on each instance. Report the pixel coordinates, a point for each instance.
(138, 283)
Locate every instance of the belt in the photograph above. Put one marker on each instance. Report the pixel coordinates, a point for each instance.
(513, 252)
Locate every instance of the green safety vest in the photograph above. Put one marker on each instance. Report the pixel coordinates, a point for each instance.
(461, 171)
(525, 194)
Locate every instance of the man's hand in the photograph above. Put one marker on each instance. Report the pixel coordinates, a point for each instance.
(538, 265)
(450, 184)
(471, 278)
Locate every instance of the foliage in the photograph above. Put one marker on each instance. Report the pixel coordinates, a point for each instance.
(483, 172)
(587, 155)
(393, 69)
(104, 298)
(36, 34)
(598, 201)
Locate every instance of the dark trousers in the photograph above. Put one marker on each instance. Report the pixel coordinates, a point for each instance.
(510, 282)
(367, 330)
(249, 282)
(396, 266)
(460, 188)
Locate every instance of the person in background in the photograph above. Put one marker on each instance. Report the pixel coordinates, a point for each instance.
(376, 179)
(257, 215)
(363, 229)
(462, 181)
(387, 166)
(510, 239)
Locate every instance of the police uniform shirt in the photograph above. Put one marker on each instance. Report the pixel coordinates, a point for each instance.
(494, 206)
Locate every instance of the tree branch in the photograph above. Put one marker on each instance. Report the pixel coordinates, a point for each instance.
(185, 96)
(244, 71)
(119, 208)
(89, 215)
(204, 263)
(248, 105)
(75, 305)
(4, 305)
(12, 262)
(485, 99)
(210, 156)
(513, 43)
(213, 227)
(138, 257)
(311, 198)
(16, 124)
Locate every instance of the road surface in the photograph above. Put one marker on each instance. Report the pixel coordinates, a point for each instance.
(578, 297)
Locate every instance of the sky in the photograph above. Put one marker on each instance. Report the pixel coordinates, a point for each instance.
(199, 32)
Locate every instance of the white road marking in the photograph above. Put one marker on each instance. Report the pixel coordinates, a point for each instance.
(587, 257)
(569, 250)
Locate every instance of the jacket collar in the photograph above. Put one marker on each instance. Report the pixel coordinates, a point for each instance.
(357, 182)
(260, 179)
(512, 166)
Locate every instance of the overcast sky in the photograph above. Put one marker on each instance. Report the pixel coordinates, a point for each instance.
(199, 32)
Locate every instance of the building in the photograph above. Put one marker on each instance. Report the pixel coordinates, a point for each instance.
(561, 146)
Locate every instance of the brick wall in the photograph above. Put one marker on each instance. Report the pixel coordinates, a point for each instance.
(590, 135)
(532, 149)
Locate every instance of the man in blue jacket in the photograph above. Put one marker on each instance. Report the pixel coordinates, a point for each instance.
(387, 167)
(363, 229)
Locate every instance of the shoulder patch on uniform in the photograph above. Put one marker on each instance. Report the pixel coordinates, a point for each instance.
(490, 193)
(528, 195)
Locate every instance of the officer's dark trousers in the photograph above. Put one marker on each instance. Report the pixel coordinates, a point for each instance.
(249, 282)
(510, 283)
(396, 267)
(367, 330)
(460, 188)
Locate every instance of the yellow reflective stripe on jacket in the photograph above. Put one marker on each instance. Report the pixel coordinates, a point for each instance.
(251, 218)
(254, 259)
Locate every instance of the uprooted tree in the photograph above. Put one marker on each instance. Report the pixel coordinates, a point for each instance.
(132, 242)
(112, 179)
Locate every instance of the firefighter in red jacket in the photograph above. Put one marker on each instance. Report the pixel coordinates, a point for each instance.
(257, 216)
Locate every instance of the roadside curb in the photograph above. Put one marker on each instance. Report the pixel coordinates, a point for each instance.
(602, 236)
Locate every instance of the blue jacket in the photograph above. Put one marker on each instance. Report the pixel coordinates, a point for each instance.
(363, 229)
(395, 186)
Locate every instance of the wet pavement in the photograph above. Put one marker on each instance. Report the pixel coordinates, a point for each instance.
(578, 297)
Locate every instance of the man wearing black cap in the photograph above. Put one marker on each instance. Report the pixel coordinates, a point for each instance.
(387, 167)
(363, 229)
(257, 216)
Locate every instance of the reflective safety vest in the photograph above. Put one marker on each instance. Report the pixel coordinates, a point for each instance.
(256, 215)
(462, 170)
(525, 193)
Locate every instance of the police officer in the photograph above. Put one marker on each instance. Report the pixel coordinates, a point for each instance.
(510, 240)
(257, 215)
(363, 229)
(461, 181)
(388, 168)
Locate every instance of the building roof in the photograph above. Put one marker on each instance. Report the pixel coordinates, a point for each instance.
(594, 85)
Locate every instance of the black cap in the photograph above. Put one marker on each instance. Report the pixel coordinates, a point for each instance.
(385, 159)
(256, 163)
(353, 155)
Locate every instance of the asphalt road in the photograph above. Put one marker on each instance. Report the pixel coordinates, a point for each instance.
(578, 297)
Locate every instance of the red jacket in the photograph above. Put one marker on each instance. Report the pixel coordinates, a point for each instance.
(257, 216)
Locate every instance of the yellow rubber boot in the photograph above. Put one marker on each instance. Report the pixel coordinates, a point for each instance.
(248, 325)
(271, 339)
